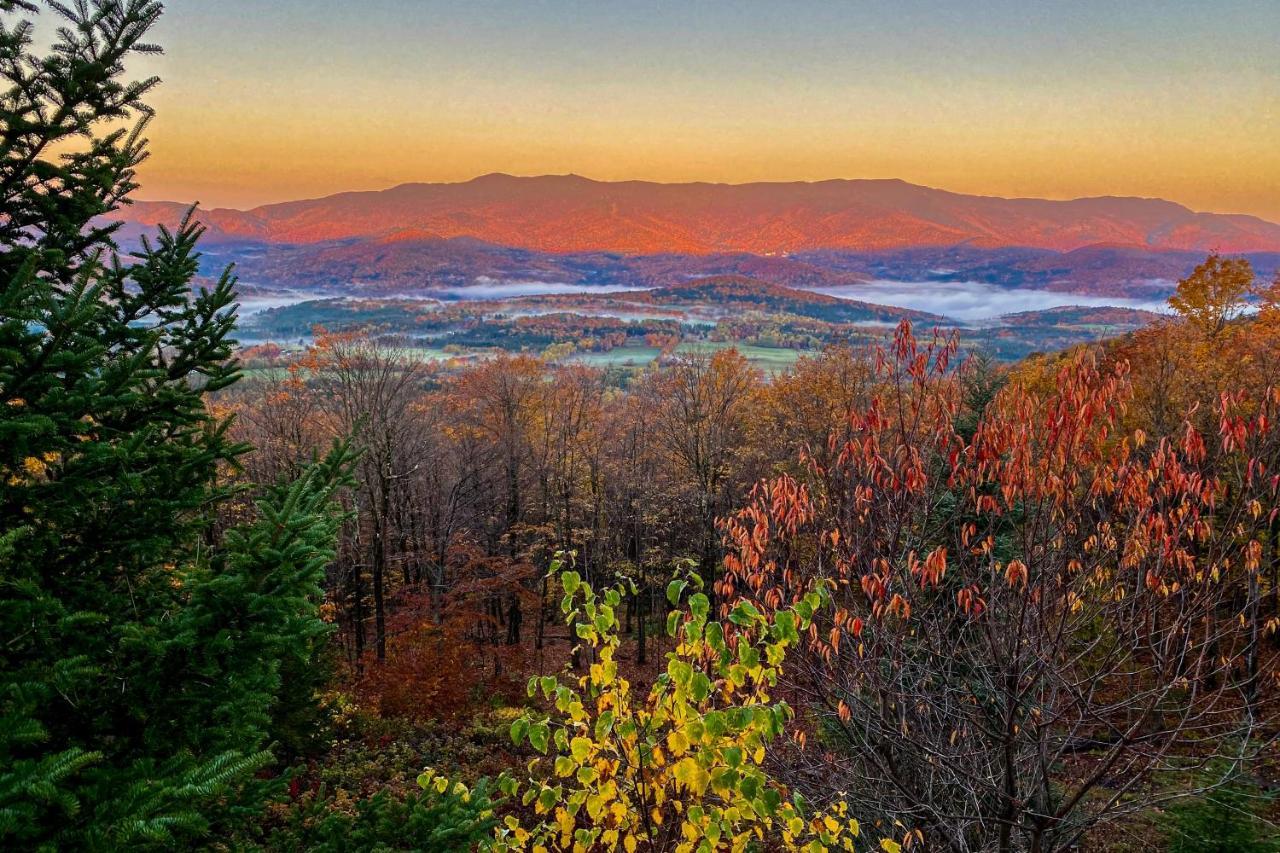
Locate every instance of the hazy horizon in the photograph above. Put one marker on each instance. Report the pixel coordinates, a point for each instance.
(143, 196)
(265, 103)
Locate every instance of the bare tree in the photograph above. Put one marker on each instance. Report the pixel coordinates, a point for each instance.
(701, 403)
(371, 388)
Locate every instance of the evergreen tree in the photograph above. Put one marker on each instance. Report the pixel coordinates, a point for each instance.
(143, 658)
(1227, 818)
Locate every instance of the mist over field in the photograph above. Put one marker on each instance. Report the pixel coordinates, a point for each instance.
(487, 288)
(976, 302)
(965, 302)
(259, 302)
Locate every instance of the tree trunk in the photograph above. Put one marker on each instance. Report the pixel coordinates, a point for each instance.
(640, 627)
(379, 584)
(357, 614)
(514, 618)
(542, 615)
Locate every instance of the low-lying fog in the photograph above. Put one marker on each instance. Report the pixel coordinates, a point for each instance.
(488, 288)
(968, 302)
(975, 302)
(257, 302)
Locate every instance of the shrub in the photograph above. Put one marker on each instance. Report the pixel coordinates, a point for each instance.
(680, 767)
(443, 817)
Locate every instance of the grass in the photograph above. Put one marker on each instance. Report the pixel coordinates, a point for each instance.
(768, 359)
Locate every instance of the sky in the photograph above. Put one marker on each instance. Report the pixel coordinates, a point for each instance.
(269, 100)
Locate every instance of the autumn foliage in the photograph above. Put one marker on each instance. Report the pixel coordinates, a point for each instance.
(1047, 595)
(1051, 588)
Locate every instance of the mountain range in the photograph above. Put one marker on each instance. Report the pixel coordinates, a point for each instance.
(571, 231)
(568, 213)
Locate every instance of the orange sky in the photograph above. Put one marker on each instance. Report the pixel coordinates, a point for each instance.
(1176, 100)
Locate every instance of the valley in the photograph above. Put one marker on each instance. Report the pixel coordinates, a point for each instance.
(634, 326)
(575, 268)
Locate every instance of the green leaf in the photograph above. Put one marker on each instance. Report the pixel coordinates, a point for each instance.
(518, 730)
(785, 623)
(715, 636)
(539, 735)
(744, 614)
(680, 672)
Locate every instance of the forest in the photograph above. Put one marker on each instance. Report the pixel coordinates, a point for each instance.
(898, 596)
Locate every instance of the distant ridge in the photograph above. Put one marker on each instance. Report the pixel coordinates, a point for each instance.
(569, 213)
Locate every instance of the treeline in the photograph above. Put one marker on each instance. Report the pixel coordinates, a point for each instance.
(471, 480)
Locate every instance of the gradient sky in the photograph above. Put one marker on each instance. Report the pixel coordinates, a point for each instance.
(266, 101)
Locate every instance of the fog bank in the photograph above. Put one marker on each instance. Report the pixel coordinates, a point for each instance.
(976, 302)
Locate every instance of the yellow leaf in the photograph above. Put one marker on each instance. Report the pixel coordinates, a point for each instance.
(677, 742)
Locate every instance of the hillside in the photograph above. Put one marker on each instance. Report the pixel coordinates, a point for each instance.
(1109, 319)
(742, 293)
(411, 260)
(567, 213)
(425, 263)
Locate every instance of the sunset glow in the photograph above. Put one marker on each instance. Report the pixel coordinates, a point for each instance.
(268, 102)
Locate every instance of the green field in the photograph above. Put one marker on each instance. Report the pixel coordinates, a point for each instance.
(769, 359)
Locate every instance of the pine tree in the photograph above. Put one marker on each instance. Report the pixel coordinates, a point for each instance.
(144, 656)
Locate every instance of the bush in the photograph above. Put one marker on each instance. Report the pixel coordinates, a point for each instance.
(444, 817)
(679, 766)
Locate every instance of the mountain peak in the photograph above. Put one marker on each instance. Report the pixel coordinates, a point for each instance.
(492, 178)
